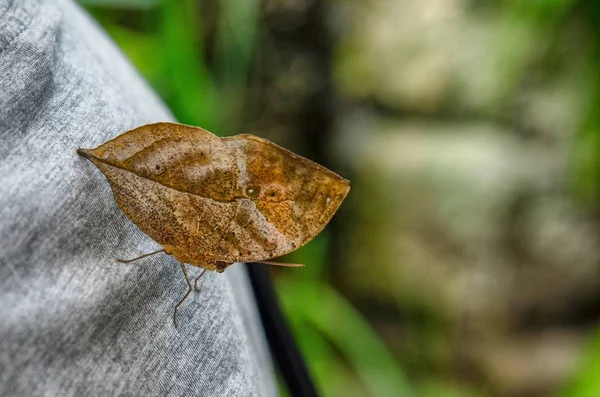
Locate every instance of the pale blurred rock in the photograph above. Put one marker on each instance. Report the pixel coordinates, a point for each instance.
(444, 56)
(469, 221)
(532, 365)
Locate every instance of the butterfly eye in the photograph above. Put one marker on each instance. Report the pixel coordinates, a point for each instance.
(221, 266)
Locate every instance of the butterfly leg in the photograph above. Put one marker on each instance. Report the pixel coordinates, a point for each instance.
(139, 257)
(187, 280)
(198, 278)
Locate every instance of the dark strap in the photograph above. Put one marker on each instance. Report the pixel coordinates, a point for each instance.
(284, 349)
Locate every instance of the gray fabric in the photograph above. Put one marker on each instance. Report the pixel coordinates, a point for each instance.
(73, 322)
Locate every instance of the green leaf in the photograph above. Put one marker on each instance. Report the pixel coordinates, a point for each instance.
(235, 42)
(194, 97)
(587, 381)
(320, 306)
(237, 35)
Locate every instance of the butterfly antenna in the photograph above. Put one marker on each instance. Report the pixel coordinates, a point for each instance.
(280, 264)
(139, 257)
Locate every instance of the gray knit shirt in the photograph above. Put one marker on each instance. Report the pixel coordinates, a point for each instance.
(73, 321)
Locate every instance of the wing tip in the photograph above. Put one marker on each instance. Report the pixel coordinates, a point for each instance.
(84, 152)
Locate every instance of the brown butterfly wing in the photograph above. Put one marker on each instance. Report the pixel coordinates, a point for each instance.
(207, 199)
(290, 199)
(176, 183)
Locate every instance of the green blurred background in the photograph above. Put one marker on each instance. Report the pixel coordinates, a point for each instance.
(466, 259)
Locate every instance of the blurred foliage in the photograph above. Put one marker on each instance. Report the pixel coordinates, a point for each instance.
(587, 148)
(544, 15)
(527, 28)
(587, 177)
(330, 332)
(167, 41)
(192, 93)
(587, 182)
(587, 381)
